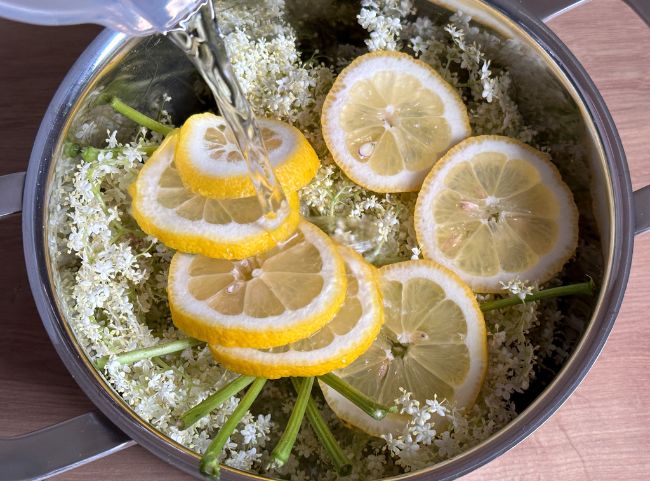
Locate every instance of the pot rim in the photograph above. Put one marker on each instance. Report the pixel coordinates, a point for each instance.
(109, 46)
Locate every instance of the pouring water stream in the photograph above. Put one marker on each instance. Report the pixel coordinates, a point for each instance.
(199, 37)
(192, 25)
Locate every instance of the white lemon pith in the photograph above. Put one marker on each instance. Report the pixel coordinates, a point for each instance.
(433, 343)
(388, 118)
(494, 209)
(210, 163)
(268, 300)
(337, 344)
(230, 228)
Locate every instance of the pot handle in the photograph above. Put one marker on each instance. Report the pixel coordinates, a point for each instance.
(641, 196)
(545, 10)
(11, 193)
(642, 209)
(62, 446)
(548, 9)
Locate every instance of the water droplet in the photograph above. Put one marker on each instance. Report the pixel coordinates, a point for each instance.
(366, 149)
(467, 205)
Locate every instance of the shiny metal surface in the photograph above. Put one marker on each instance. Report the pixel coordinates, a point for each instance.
(642, 209)
(11, 193)
(144, 68)
(548, 9)
(58, 448)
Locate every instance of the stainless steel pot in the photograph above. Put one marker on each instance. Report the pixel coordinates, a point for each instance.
(143, 66)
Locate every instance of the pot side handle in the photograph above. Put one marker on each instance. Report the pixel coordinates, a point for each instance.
(549, 9)
(60, 447)
(642, 210)
(545, 10)
(63, 446)
(11, 193)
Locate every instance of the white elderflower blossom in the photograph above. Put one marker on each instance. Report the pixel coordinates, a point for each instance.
(86, 131)
(249, 433)
(242, 459)
(383, 19)
(518, 288)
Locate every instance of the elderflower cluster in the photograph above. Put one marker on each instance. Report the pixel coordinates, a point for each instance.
(383, 20)
(420, 430)
(111, 264)
(518, 288)
(380, 226)
(459, 51)
(277, 82)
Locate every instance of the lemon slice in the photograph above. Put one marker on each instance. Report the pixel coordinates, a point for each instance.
(230, 228)
(493, 209)
(433, 343)
(388, 118)
(268, 300)
(210, 164)
(336, 345)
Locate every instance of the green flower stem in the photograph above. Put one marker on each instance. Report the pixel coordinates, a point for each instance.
(148, 352)
(282, 450)
(139, 117)
(210, 459)
(341, 462)
(585, 288)
(215, 400)
(91, 153)
(371, 408)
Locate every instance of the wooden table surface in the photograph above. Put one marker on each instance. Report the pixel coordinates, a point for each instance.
(601, 433)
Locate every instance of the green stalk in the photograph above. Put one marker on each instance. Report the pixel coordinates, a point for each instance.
(339, 459)
(585, 288)
(210, 459)
(371, 408)
(139, 118)
(71, 149)
(148, 352)
(282, 450)
(214, 400)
